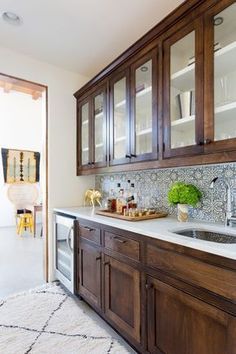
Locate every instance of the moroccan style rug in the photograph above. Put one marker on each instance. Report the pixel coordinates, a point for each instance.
(48, 320)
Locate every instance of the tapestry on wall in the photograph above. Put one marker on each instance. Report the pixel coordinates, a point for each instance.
(20, 166)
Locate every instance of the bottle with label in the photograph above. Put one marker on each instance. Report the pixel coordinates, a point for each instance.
(119, 199)
(133, 203)
(111, 202)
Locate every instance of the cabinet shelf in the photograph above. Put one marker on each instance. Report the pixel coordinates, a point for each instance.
(121, 138)
(224, 61)
(143, 132)
(98, 115)
(141, 93)
(144, 91)
(222, 113)
(99, 145)
(183, 122)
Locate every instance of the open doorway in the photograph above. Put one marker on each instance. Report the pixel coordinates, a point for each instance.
(23, 185)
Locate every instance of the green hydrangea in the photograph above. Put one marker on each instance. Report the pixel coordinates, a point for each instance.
(181, 193)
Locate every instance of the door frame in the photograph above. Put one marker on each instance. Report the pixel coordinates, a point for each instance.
(45, 217)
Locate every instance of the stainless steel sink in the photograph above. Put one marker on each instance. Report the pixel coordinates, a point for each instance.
(207, 235)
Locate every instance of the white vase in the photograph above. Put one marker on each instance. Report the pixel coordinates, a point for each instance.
(182, 212)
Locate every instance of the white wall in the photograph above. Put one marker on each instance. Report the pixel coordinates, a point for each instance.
(20, 128)
(65, 189)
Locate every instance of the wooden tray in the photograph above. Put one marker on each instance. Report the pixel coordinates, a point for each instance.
(131, 218)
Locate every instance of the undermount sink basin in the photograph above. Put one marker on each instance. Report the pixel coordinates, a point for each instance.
(207, 235)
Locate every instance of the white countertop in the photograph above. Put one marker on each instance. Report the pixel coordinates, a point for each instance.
(162, 229)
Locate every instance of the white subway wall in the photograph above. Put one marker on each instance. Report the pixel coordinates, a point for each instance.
(65, 189)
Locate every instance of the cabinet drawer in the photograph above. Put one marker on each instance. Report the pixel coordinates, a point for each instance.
(219, 280)
(122, 245)
(90, 233)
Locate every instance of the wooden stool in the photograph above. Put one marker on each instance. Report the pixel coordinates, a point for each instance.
(25, 221)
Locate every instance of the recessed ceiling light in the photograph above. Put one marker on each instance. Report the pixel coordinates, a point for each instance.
(218, 21)
(144, 69)
(11, 18)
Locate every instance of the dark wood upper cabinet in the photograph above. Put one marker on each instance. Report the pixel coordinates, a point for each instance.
(133, 112)
(119, 137)
(170, 100)
(84, 143)
(183, 91)
(144, 120)
(220, 77)
(99, 127)
(92, 130)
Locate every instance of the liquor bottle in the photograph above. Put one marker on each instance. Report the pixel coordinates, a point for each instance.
(111, 202)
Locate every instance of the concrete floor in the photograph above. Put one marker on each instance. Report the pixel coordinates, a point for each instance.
(21, 261)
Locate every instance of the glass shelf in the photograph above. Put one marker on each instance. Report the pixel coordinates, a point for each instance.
(99, 145)
(144, 131)
(224, 60)
(121, 138)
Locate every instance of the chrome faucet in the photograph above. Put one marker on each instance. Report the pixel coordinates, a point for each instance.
(229, 217)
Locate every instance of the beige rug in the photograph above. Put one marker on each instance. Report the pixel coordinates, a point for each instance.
(49, 320)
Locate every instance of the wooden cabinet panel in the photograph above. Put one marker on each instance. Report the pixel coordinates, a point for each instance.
(119, 139)
(122, 245)
(84, 152)
(122, 297)
(92, 129)
(183, 91)
(90, 233)
(158, 113)
(216, 279)
(179, 323)
(144, 118)
(90, 274)
(99, 127)
(189, 305)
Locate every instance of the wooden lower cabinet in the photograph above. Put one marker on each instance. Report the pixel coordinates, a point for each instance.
(163, 298)
(179, 323)
(90, 274)
(122, 296)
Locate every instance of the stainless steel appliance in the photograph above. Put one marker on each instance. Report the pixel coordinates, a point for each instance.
(64, 253)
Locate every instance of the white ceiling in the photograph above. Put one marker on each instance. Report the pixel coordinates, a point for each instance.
(80, 35)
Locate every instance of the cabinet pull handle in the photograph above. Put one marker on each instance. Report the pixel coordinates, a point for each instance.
(128, 156)
(201, 142)
(88, 228)
(118, 239)
(207, 141)
(106, 263)
(92, 163)
(98, 258)
(149, 286)
(133, 155)
(89, 163)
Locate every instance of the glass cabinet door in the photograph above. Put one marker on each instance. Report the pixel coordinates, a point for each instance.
(224, 24)
(84, 140)
(119, 123)
(144, 115)
(99, 129)
(183, 125)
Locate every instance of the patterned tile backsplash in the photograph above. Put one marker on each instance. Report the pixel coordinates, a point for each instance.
(152, 186)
